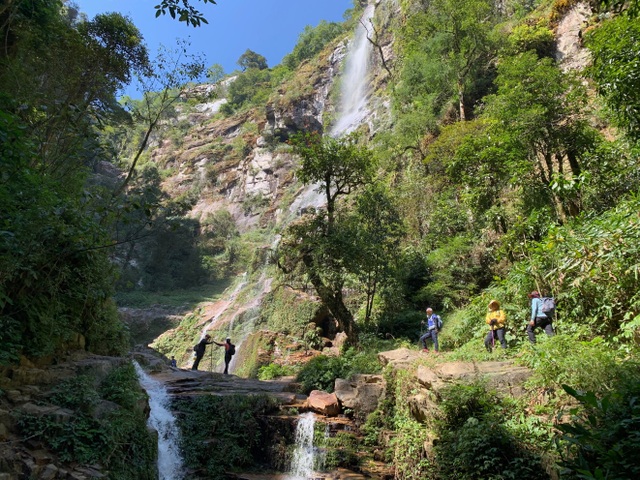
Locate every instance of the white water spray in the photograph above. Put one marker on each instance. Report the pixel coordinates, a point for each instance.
(355, 81)
(226, 305)
(162, 420)
(353, 106)
(304, 455)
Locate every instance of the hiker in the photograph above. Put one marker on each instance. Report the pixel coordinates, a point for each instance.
(200, 349)
(173, 362)
(433, 323)
(538, 318)
(496, 319)
(229, 350)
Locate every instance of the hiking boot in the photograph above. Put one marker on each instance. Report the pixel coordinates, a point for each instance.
(425, 350)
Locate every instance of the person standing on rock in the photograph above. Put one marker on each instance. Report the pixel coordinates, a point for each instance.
(434, 323)
(496, 319)
(229, 351)
(200, 348)
(173, 362)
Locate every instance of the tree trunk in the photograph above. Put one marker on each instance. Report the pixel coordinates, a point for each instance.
(333, 300)
(463, 116)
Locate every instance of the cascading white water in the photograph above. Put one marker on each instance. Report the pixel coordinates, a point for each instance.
(230, 300)
(355, 81)
(302, 464)
(162, 420)
(353, 106)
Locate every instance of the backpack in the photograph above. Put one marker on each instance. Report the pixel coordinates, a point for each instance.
(232, 349)
(439, 321)
(548, 306)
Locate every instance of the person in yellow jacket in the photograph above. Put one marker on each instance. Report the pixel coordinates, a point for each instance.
(496, 319)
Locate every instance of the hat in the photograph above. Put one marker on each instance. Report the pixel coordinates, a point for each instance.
(534, 294)
(228, 340)
(494, 303)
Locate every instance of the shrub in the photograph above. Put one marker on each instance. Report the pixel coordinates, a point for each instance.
(342, 451)
(224, 433)
(589, 365)
(321, 372)
(118, 440)
(602, 441)
(532, 37)
(474, 438)
(273, 370)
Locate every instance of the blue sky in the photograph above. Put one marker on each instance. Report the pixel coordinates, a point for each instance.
(268, 27)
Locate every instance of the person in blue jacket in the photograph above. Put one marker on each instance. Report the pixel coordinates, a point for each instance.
(538, 318)
(432, 322)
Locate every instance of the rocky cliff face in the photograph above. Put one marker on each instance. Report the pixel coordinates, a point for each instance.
(241, 164)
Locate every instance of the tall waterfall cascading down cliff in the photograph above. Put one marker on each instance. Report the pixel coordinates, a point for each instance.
(354, 92)
(353, 108)
(164, 422)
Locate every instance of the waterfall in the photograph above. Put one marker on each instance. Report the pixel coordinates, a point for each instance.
(355, 81)
(302, 464)
(225, 305)
(162, 420)
(353, 105)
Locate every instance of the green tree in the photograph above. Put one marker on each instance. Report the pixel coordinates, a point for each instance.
(339, 166)
(539, 114)
(58, 80)
(316, 245)
(311, 41)
(249, 88)
(68, 75)
(250, 59)
(375, 238)
(616, 70)
(183, 10)
(215, 73)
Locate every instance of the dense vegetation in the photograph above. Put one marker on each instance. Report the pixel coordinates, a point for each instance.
(502, 173)
(227, 434)
(107, 424)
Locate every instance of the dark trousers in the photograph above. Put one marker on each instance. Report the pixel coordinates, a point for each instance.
(227, 360)
(433, 335)
(492, 336)
(543, 323)
(197, 361)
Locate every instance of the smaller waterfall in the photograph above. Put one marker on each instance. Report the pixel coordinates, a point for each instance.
(304, 455)
(225, 305)
(162, 420)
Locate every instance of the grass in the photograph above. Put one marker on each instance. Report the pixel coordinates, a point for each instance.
(187, 298)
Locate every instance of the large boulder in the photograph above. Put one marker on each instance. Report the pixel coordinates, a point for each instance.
(504, 377)
(361, 393)
(323, 403)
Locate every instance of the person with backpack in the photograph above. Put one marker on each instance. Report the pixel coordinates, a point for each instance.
(496, 319)
(541, 316)
(200, 348)
(434, 324)
(229, 351)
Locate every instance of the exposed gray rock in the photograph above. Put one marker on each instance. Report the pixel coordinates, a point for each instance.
(504, 377)
(571, 54)
(361, 393)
